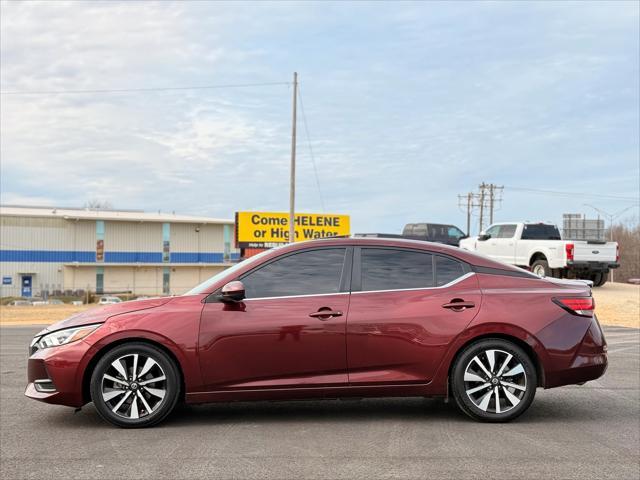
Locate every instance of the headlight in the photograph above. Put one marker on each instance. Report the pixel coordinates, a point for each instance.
(62, 337)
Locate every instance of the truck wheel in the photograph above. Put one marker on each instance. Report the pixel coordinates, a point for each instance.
(541, 268)
(600, 279)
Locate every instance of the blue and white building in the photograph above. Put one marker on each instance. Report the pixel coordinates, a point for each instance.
(45, 250)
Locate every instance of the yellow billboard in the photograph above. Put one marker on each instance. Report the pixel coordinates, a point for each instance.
(269, 229)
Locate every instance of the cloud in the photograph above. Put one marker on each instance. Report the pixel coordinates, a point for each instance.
(407, 104)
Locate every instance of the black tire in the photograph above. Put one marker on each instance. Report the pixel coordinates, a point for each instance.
(139, 394)
(600, 279)
(541, 265)
(472, 403)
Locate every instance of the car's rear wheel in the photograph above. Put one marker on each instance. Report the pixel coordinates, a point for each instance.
(493, 380)
(135, 385)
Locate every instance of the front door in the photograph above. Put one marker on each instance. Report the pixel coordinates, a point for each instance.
(26, 286)
(502, 244)
(406, 307)
(289, 331)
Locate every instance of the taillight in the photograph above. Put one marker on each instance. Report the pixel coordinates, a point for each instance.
(617, 253)
(583, 306)
(568, 248)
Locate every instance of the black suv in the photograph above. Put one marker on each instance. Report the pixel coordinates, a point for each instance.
(428, 232)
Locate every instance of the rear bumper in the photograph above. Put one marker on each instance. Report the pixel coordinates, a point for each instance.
(578, 266)
(589, 362)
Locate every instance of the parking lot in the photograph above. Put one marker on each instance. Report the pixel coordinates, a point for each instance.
(590, 431)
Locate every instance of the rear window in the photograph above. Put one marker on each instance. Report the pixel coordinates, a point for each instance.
(540, 231)
(507, 231)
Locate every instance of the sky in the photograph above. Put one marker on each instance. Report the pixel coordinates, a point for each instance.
(407, 105)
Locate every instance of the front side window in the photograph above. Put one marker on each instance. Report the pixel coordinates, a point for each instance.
(386, 269)
(448, 270)
(455, 232)
(306, 273)
(493, 231)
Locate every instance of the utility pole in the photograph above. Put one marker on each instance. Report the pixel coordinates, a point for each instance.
(465, 203)
(469, 207)
(491, 189)
(292, 180)
(482, 189)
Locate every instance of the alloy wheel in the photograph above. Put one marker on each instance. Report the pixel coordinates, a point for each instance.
(134, 386)
(495, 381)
(539, 270)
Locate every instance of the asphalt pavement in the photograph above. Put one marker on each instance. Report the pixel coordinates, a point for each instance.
(582, 432)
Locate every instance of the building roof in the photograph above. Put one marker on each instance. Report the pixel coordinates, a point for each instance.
(112, 215)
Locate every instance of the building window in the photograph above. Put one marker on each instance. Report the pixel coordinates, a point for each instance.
(166, 278)
(99, 241)
(100, 280)
(166, 242)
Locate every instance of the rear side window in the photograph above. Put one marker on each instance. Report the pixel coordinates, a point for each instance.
(447, 270)
(540, 231)
(420, 229)
(386, 269)
(507, 231)
(305, 273)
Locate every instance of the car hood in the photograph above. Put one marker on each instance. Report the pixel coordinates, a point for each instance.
(100, 314)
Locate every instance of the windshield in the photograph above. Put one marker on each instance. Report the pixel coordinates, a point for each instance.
(204, 286)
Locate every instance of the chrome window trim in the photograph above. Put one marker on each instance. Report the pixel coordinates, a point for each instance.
(457, 280)
(296, 296)
(453, 282)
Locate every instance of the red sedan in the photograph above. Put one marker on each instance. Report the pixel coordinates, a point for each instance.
(329, 319)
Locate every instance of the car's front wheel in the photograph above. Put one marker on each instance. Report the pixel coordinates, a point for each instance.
(493, 380)
(135, 385)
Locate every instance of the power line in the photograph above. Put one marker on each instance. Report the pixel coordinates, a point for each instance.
(570, 194)
(313, 160)
(138, 90)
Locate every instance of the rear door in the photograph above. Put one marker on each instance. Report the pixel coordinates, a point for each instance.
(403, 313)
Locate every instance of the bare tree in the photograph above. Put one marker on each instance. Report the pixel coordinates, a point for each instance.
(628, 237)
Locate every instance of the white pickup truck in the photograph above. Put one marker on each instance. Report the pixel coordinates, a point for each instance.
(540, 248)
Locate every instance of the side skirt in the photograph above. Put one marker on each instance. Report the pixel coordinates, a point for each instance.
(301, 393)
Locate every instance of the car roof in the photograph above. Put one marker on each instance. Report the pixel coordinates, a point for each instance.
(464, 255)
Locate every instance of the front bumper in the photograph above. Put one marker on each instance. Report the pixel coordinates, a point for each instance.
(58, 371)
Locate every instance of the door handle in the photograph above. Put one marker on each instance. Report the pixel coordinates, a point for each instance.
(326, 314)
(458, 305)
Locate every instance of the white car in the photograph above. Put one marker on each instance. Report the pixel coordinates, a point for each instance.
(540, 248)
(109, 300)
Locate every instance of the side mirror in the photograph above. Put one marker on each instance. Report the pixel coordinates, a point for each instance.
(232, 292)
(484, 237)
